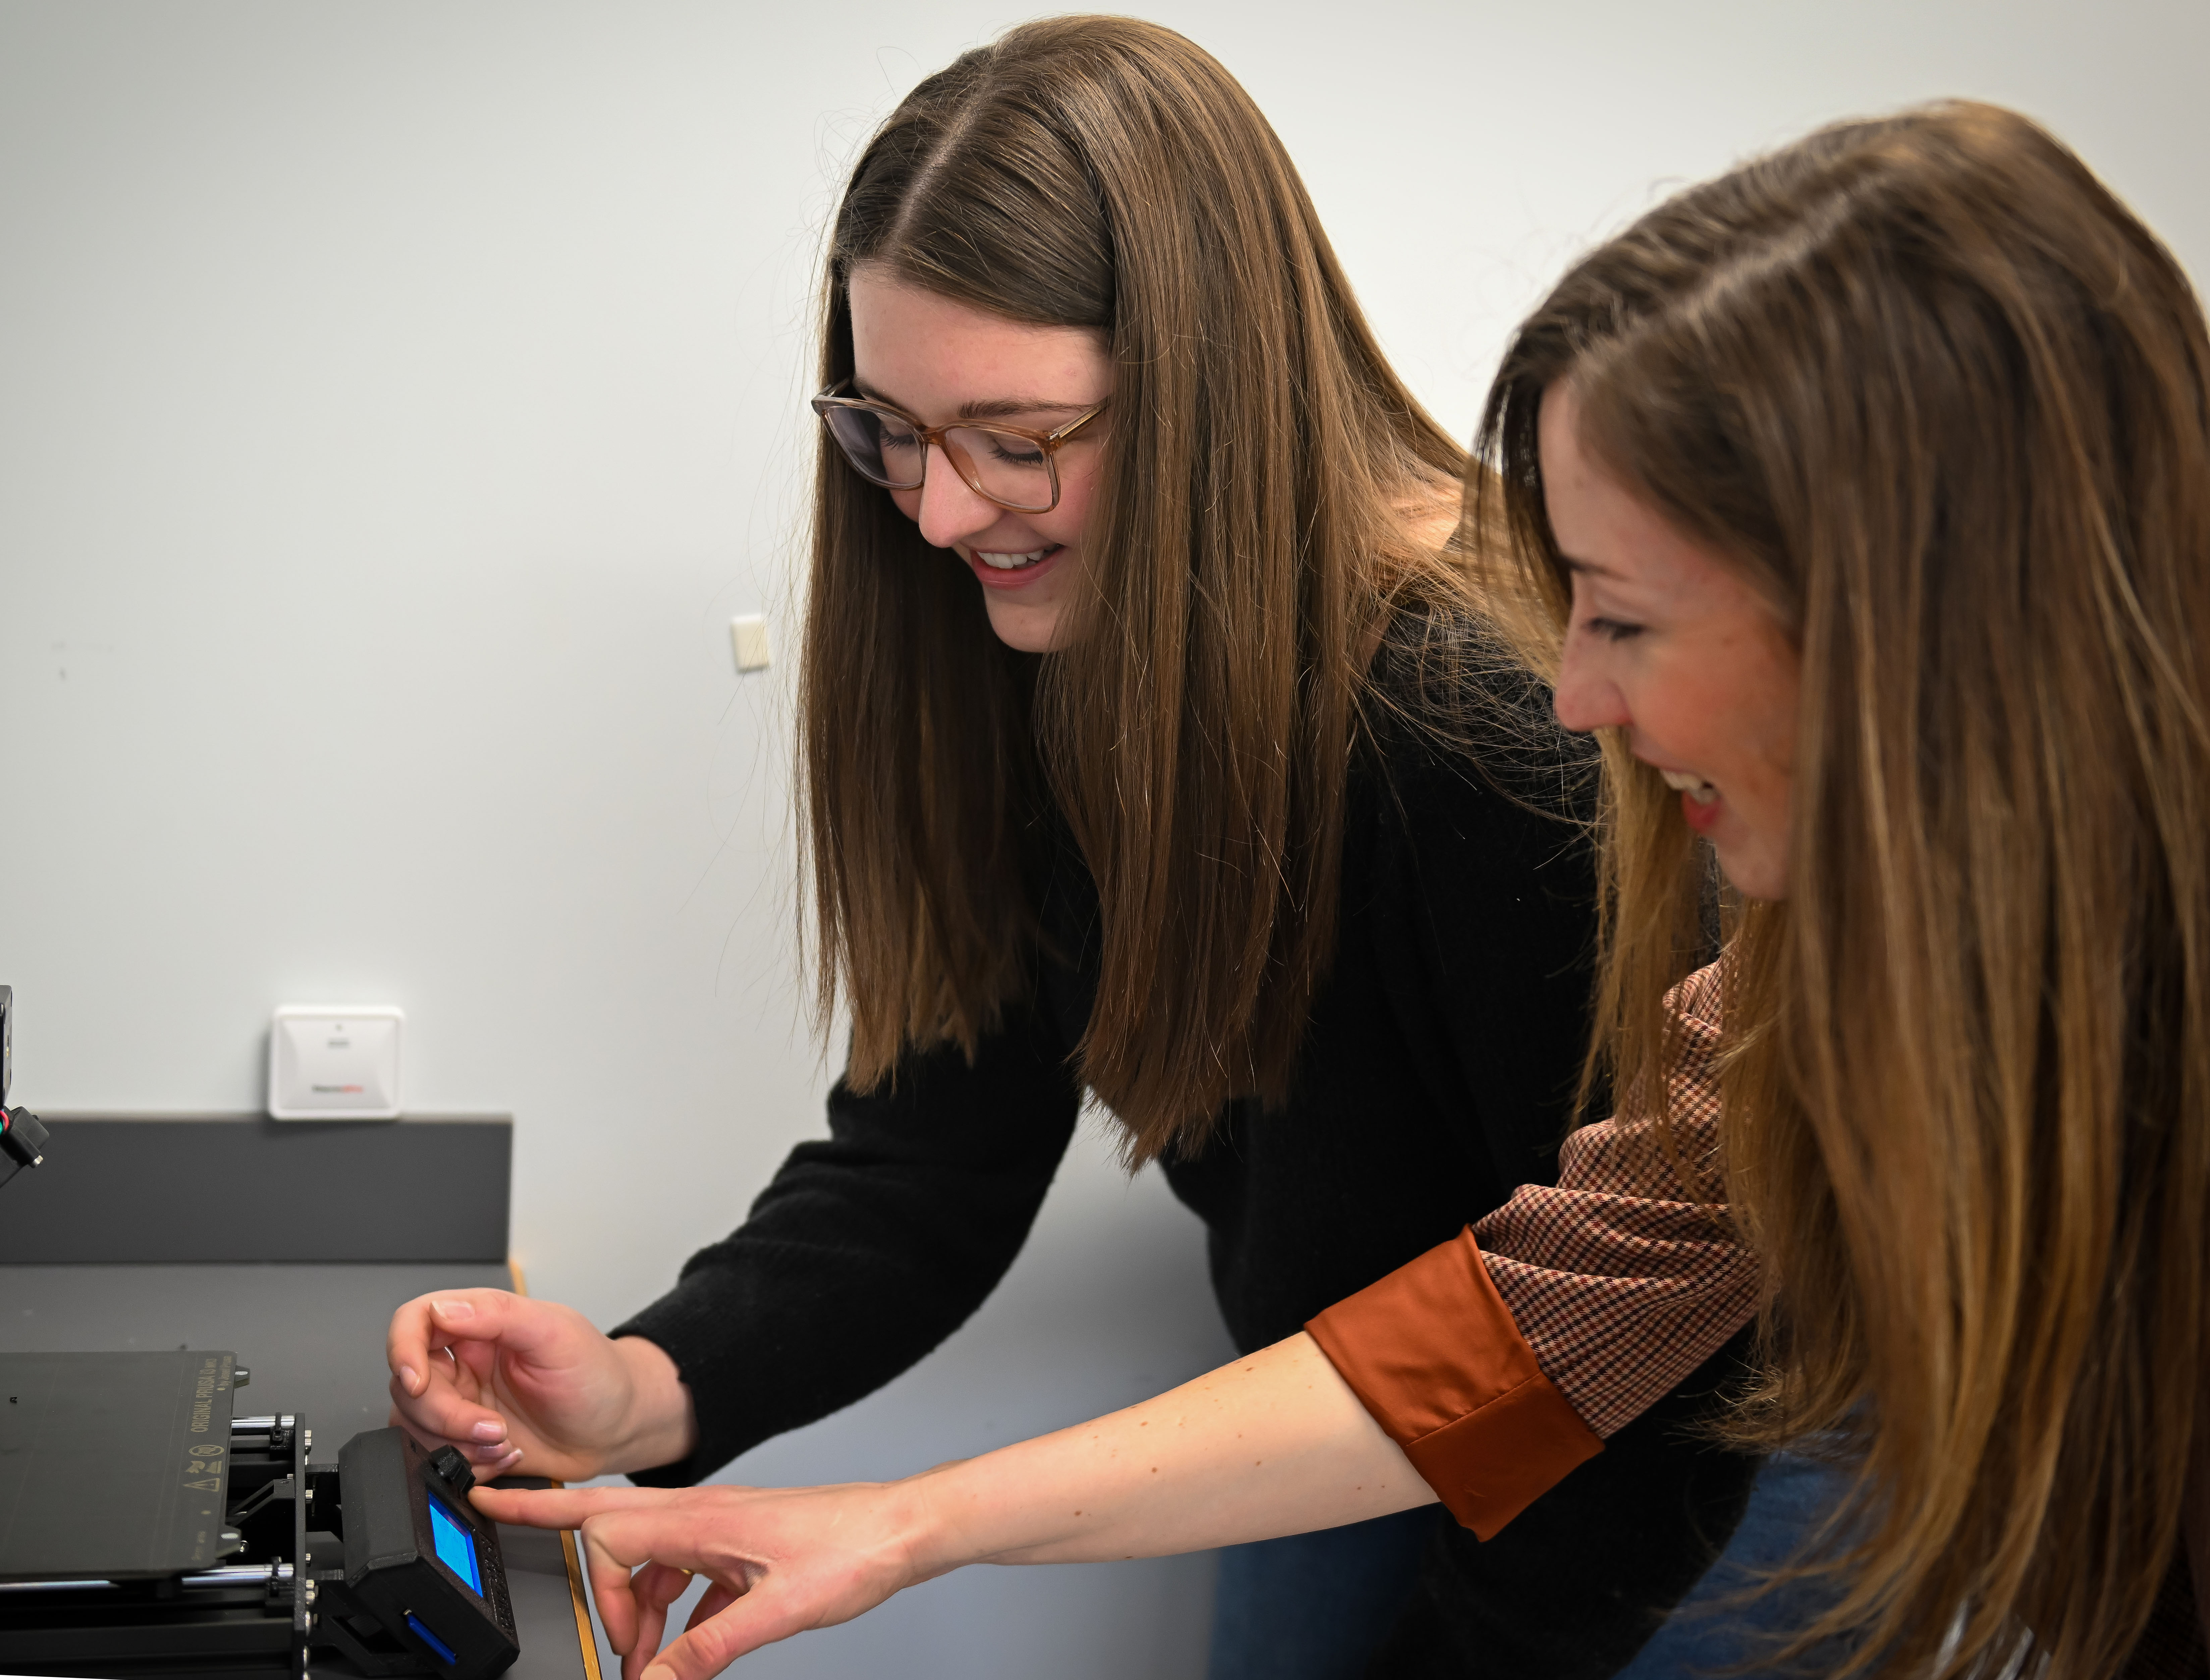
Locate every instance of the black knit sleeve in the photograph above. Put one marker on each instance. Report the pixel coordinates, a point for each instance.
(866, 1250)
(1486, 889)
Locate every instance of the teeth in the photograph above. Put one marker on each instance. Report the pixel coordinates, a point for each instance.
(1694, 786)
(1010, 562)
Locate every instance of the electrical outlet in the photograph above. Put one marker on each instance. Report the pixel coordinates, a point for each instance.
(335, 1063)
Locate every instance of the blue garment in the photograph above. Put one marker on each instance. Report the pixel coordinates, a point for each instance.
(1714, 1629)
(1314, 1607)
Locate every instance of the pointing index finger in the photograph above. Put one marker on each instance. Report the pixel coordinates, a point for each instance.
(559, 1508)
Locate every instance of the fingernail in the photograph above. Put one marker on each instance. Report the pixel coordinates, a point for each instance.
(490, 1429)
(410, 1379)
(454, 1308)
(660, 1672)
(508, 1461)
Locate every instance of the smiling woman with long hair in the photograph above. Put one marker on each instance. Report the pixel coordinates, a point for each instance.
(1926, 391)
(1194, 723)
(1865, 494)
(1156, 747)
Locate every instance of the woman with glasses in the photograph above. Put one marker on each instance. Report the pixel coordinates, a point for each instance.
(1154, 746)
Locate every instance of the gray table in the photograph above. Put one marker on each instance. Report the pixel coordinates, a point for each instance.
(310, 1329)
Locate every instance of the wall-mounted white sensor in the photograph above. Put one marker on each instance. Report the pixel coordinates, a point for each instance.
(748, 635)
(334, 1064)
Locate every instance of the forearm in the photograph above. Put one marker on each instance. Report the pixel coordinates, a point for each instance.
(870, 1246)
(1273, 1444)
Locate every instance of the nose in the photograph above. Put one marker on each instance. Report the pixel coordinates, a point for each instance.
(1586, 697)
(950, 510)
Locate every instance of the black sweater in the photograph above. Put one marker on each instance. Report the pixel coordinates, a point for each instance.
(1436, 1077)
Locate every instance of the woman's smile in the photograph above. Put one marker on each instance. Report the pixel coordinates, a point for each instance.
(1000, 570)
(1700, 800)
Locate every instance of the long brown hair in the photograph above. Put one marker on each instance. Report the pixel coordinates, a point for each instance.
(1930, 385)
(1261, 473)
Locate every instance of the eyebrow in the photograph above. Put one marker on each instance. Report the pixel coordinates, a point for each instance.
(1572, 564)
(996, 407)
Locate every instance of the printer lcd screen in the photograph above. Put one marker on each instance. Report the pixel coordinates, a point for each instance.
(456, 1547)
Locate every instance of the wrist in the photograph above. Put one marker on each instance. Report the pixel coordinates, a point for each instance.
(659, 1424)
(931, 1518)
(996, 1509)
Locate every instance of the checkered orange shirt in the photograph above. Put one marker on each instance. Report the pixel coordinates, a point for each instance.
(1500, 1360)
(1621, 1294)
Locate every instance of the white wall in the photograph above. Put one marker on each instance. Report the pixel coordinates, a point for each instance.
(396, 402)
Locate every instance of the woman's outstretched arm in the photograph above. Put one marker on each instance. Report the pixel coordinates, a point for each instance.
(1275, 1443)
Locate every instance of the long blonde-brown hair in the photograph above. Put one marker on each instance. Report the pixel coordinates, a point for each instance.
(1935, 389)
(1262, 470)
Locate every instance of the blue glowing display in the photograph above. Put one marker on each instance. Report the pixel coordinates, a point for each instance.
(456, 1547)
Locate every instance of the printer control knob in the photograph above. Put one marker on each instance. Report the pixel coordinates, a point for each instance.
(447, 1464)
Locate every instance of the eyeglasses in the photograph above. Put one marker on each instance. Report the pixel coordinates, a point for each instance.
(1016, 469)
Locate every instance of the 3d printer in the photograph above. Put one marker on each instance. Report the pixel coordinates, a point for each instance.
(151, 1531)
(147, 1530)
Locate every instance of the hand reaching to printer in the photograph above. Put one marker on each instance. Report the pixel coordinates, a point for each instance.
(1274, 1443)
(777, 1562)
(531, 1387)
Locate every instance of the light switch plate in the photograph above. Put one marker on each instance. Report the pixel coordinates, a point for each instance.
(748, 637)
(335, 1063)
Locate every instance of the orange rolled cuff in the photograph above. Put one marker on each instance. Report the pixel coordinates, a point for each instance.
(1433, 1353)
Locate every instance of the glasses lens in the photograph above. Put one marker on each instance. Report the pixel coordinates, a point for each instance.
(884, 448)
(1012, 471)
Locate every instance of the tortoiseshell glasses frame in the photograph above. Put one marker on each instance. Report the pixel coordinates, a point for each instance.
(1023, 479)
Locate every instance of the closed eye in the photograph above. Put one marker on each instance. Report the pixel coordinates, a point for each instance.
(1612, 630)
(1010, 450)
